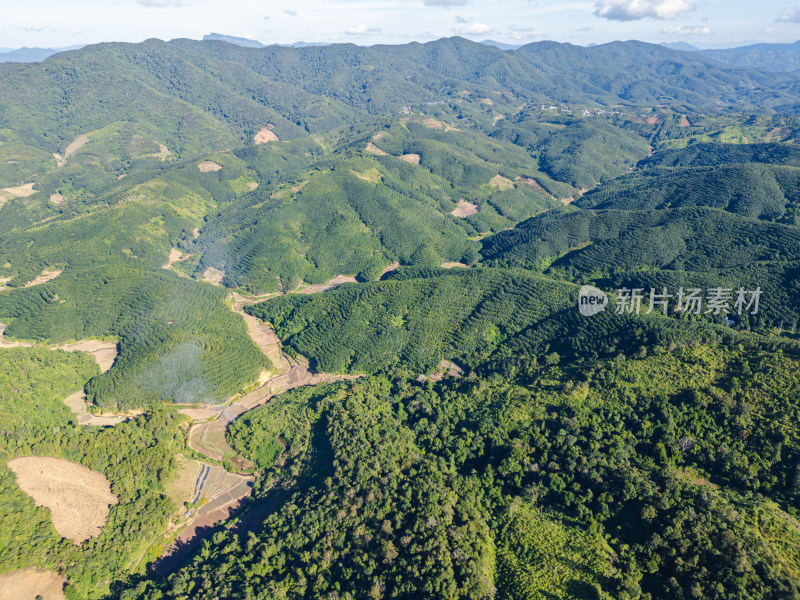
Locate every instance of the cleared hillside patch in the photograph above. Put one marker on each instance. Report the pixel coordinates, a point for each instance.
(265, 136)
(58, 200)
(213, 276)
(32, 584)
(373, 149)
(104, 353)
(500, 182)
(465, 209)
(46, 276)
(78, 498)
(209, 166)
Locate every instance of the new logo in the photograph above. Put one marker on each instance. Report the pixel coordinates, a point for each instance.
(591, 301)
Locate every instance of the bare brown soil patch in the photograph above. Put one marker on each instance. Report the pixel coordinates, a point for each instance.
(392, 267)
(568, 200)
(465, 209)
(77, 404)
(209, 166)
(652, 120)
(6, 344)
(414, 159)
(684, 122)
(75, 145)
(163, 151)
(58, 200)
(21, 191)
(262, 335)
(372, 175)
(47, 275)
(78, 498)
(454, 265)
(446, 368)
(175, 256)
(531, 183)
(104, 353)
(199, 414)
(252, 185)
(436, 124)
(265, 136)
(30, 584)
(330, 284)
(213, 276)
(500, 182)
(373, 149)
(486, 101)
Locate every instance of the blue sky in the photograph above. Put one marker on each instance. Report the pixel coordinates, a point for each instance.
(704, 23)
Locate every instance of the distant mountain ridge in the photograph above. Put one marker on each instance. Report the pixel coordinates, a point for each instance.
(772, 57)
(501, 45)
(231, 92)
(28, 55)
(232, 39)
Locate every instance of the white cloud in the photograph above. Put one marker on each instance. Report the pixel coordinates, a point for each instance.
(422, 35)
(524, 33)
(36, 27)
(445, 3)
(363, 30)
(790, 15)
(687, 30)
(474, 29)
(460, 19)
(633, 10)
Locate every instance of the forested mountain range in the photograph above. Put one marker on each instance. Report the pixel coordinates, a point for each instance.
(216, 85)
(489, 440)
(784, 58)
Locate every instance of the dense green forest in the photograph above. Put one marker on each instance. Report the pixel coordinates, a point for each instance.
(624, 479)
(498, 443)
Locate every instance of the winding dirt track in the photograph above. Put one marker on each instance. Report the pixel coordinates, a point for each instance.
(208, 438)
(225, 497)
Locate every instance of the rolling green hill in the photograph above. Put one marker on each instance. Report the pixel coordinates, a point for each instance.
(627, 482)
(752, 190)
(498, 444)
(489, 320)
